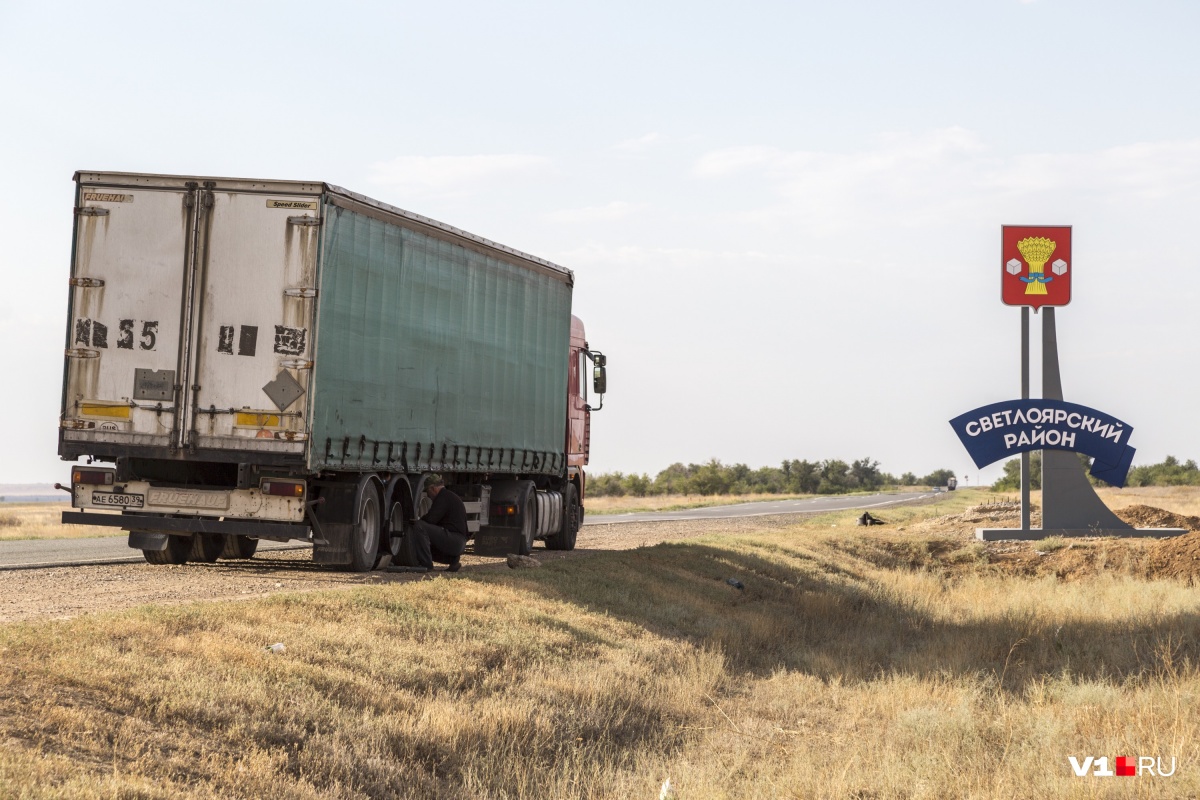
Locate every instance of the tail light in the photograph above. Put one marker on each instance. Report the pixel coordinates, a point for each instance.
(93, 477)
(504, 509)
(278, 488)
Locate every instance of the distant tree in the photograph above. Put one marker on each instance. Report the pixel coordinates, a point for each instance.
(1167, 473)
(768, 480)
(637, 485)
(831, 476)
(864, 474)
(801, 477)
(1011, 480)
(835, 478)
(939, 477)
(672, 480)
(606, 484)
(711, 478)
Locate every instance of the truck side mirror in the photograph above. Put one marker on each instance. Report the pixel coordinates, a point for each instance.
(599, 378)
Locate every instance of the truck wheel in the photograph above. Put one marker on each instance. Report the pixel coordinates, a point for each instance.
(572, 519)
(364, 536)
(528, 525)
(207, 547)
(177, 552)
(238, 546)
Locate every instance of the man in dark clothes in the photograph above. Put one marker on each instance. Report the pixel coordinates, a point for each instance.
(440, 535)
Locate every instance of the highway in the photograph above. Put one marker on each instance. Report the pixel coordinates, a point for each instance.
(32, 554)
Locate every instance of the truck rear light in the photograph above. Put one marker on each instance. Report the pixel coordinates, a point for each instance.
(279, 488)
(92, 477)
(504, 509)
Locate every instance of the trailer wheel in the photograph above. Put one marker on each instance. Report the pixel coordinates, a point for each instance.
(207, 547)
(177, 551)
(528, 525)
(238, 546)
(364, 536)
(572, 519)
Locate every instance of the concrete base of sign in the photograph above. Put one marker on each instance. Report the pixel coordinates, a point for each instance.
(1037, 534)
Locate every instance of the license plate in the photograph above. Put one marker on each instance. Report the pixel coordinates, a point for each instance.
(119, 500)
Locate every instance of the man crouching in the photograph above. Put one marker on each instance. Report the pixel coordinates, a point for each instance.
(440, 535)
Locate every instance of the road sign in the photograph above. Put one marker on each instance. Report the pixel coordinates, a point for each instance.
(1036, 265)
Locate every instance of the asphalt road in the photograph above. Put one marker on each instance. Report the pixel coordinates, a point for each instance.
(812, 505)
(30, 554)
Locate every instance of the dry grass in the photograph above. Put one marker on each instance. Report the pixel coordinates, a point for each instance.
(1183, 500)
(42, 521)
(675, 502)
(836, 672)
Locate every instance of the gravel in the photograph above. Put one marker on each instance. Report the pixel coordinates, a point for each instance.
(65, 592)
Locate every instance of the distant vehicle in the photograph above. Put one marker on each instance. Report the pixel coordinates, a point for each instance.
(283, 360)
(952, 484)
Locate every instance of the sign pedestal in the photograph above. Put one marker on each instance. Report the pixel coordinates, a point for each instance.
(1070, 505)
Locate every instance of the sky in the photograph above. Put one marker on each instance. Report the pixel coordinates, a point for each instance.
(783, 217)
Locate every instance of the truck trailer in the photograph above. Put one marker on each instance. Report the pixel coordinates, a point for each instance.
(289, 360)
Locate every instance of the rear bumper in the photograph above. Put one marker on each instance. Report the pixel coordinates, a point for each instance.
(153, 523)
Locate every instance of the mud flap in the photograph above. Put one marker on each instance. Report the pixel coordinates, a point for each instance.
(141, 540)
(333, 517)
(336, 549)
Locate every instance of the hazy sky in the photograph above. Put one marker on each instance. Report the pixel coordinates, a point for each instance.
(784, 218)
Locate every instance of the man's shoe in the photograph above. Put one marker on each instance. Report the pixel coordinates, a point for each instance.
(455, 567)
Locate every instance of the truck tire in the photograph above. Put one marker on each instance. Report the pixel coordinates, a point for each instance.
(572, 519)
(207, 547)
(364, 536)
(237, 546)
(177, 552)
(528, 525)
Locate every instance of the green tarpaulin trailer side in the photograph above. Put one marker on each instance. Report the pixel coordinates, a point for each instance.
(434, 349)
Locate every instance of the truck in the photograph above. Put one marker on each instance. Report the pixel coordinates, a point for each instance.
(254, 360)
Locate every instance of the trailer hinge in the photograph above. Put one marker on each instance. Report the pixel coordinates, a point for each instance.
(296, 363)
(88, 283)
(82, 352)
(91, 211)
(300, 291)
(311, 222)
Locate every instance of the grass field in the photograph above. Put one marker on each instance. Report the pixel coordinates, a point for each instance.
(841, 669)
(599, 506)
(43, 521)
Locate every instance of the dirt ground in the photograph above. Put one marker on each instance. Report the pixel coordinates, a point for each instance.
(944, 543)
(949, 544)
(64, 592)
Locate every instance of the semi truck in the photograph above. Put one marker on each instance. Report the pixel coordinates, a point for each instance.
(280, 360)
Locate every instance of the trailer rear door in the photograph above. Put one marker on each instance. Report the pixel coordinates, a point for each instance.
(191, 321)
(253, 321)
(127, 285)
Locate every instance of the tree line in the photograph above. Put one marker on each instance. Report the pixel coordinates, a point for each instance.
(791, 477)
(1168, 472)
